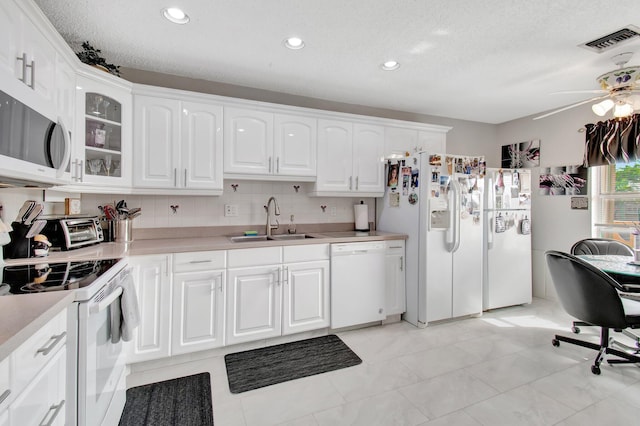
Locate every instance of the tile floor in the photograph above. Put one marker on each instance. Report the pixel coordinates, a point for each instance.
(499, 369)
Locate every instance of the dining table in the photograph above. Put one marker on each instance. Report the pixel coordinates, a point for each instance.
(624, 269)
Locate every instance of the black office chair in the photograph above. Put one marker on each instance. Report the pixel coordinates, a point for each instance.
(591, 295)
(603, 246)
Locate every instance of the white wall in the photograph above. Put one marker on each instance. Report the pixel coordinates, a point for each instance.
(554, 225)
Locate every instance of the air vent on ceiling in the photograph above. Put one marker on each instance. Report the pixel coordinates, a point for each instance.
(612, 40)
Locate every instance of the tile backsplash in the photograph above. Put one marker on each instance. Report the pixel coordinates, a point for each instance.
(248, 196)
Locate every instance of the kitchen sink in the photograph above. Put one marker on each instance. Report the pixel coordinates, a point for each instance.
(286, 237)
(280, 237)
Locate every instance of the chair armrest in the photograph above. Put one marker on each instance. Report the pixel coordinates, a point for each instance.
(630, 288)
(632, 296)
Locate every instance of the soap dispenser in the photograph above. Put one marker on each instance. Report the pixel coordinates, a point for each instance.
(292, 226)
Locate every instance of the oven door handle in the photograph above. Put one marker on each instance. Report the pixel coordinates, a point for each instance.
(104, 303)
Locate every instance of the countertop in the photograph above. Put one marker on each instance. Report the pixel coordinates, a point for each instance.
(181, 245)
(22, 315)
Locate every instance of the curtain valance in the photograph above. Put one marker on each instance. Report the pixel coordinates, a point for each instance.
(612, 141)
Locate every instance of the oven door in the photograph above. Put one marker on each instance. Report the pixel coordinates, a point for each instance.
(101, 363)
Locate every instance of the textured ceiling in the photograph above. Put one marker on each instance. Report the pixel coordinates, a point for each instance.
(490, 61)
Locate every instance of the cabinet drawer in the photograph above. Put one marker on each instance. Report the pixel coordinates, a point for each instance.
(306, 253)
(254, 257)
(6, 393)
(199, 261)
(34, 354)
(43, 401)
(394, 247)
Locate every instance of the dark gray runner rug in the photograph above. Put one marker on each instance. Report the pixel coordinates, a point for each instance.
(262, 367)
(182, 402)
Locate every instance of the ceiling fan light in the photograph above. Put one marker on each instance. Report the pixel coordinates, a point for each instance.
(175, 15)
(622, 109)
(601, 108)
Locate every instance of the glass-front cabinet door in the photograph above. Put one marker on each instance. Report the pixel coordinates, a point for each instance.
(103, 148)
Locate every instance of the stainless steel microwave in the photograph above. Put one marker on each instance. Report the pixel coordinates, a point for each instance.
(29, 136)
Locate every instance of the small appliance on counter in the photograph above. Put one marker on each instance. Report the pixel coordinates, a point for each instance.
(71, 232)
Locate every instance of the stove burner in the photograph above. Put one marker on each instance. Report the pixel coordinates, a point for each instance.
(44, 277)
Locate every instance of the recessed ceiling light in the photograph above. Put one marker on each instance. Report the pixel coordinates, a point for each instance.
(175, 15)
(390, 65)
(294, 43)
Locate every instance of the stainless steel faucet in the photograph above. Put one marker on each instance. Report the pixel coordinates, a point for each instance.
(276, 211)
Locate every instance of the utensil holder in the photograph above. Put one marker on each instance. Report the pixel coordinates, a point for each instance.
(108, 230)
(124, 231)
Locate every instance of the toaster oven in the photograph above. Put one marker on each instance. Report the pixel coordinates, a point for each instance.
(66, 233)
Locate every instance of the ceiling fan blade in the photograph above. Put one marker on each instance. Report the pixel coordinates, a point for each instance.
(571, 106)
(570, 92)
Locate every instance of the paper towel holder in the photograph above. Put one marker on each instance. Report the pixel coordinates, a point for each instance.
(362, 221)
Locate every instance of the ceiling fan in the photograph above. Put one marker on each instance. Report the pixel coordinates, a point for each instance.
(619, 90)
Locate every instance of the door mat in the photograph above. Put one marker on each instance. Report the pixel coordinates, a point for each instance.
(185, 401)
(262, 367)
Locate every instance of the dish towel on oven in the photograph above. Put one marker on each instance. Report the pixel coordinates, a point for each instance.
(125, 315)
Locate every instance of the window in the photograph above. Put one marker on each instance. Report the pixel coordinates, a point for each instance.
(616, 201)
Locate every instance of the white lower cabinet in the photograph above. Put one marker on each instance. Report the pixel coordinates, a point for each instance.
(33, 378)
(306, 297)
(288, 293)
(395, 278)
(254, 297)
(43, 400)
(198, 300)
(181, 301)
(151, 339)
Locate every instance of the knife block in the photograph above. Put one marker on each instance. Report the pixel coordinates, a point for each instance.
(20, 245)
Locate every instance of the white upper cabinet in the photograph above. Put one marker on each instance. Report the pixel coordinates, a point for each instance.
(178, 144)
(295, 145)
(102, 141)
(350, 159)
(402, 140)
(156, 132)
(27, 61)
(276, 146)
(248, 141)
(368, 168)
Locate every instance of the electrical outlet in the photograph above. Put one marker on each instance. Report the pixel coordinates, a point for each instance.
(334, 211)
(230, 210)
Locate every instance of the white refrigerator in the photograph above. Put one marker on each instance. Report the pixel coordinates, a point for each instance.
(437, 202)
(507, 252)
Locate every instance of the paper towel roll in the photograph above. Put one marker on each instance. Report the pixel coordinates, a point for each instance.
(361, 213)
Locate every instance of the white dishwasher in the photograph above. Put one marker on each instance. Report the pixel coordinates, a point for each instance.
(357, 283)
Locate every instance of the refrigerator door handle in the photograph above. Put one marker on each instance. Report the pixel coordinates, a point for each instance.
(450, 235)
(490, 229)
(457, 205)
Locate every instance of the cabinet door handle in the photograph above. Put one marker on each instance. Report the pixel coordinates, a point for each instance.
(185, 178)
(23, 58)
(5, 395)
(269, 164)
(56, 410)
(350, 186)
(401, 263)
(32, 65)
(278, 165)
(45, 350)
(81, 162)
(175, 177)
(166, 266)
(357, 182)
